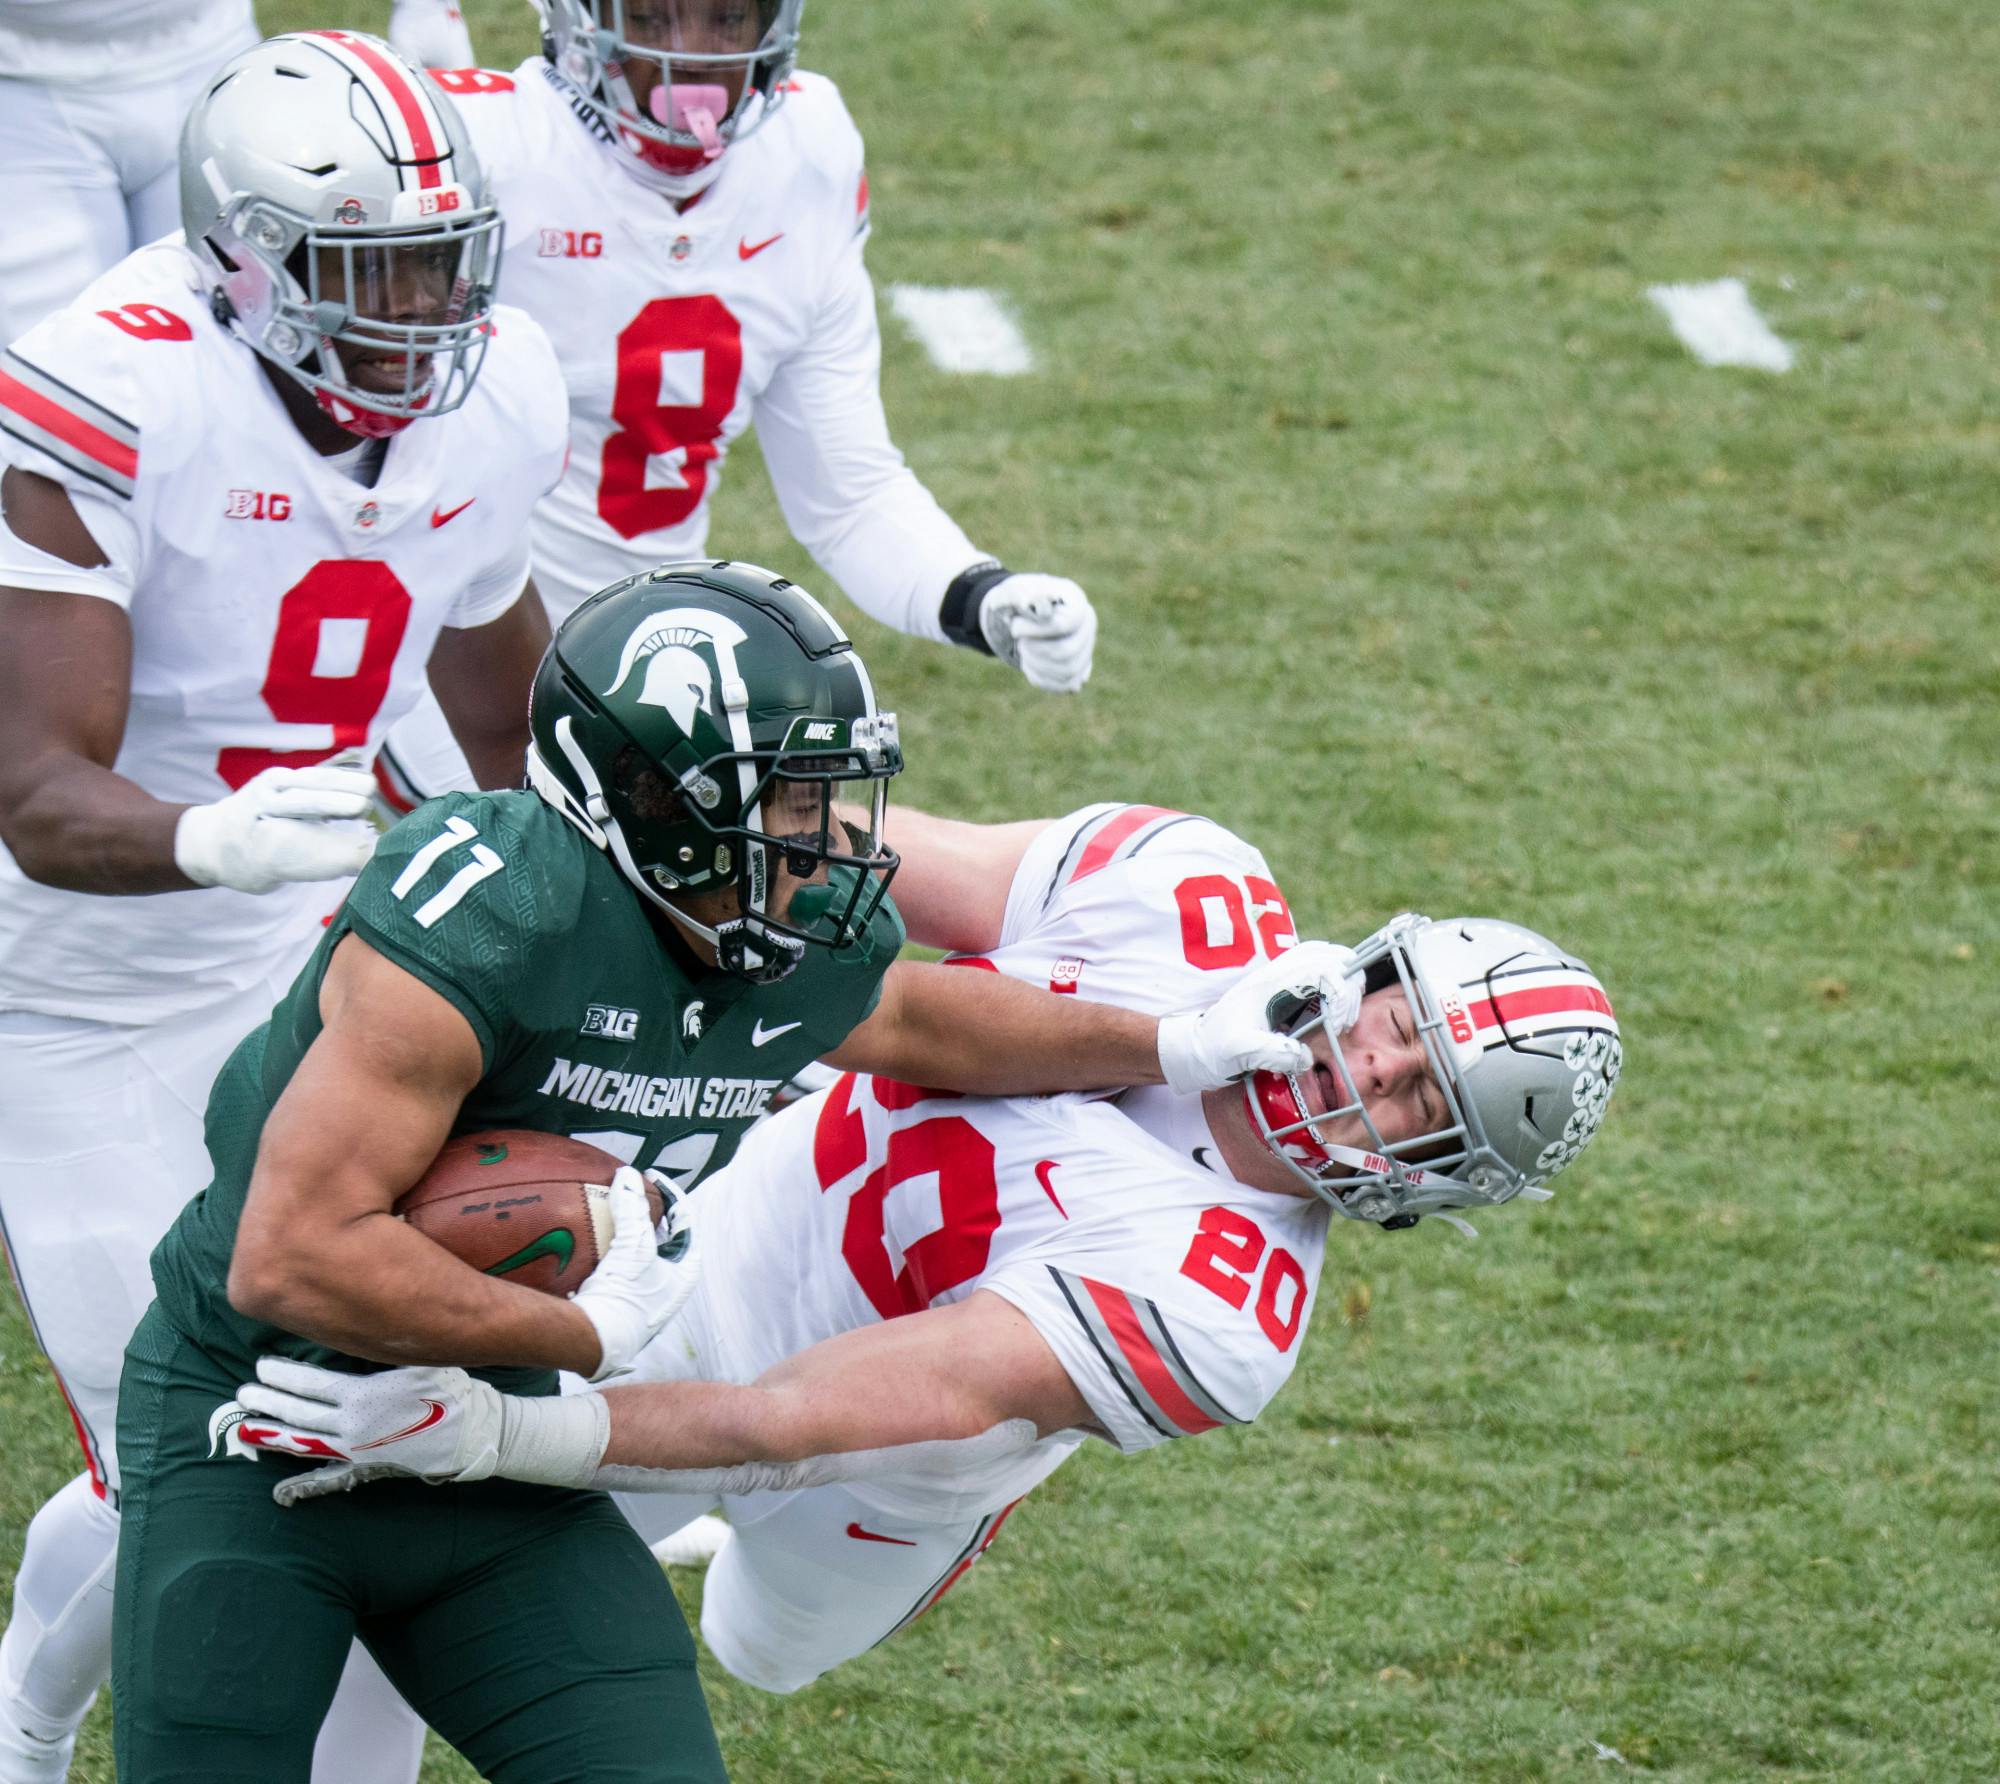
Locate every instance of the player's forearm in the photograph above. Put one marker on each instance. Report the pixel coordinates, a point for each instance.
(784, 1416)
(372, 1288)
(988, 1035)
(497, 755)
(74, 824)
(481, 676)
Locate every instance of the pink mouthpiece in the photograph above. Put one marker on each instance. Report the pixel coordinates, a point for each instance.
(693, 109)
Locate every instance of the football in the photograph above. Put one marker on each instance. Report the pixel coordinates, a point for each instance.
(532, 1207)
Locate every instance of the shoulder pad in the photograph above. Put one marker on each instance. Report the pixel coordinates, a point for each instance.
(90, 393)
(505, 856)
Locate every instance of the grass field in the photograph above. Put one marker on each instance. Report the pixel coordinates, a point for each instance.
(1429, 560)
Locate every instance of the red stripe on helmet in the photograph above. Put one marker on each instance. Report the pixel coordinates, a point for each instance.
(71, 429)
(1542, 1000)
(1114, 1307)
(1114, 835)
(409, 103)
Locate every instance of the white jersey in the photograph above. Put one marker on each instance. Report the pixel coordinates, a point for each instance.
(677, 329)
(117, 43)
(1174, 1295)
(280, 611)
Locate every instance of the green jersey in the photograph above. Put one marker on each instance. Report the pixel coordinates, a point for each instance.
(587, 1026)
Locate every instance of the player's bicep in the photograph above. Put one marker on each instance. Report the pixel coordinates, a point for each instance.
(952, 887)
(65, 680)
(951, 1372)
(372, 1100)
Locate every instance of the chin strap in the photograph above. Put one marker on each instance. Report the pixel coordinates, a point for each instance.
(732, 942)
(1381, 1165)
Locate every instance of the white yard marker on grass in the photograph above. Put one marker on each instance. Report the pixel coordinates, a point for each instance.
(963, 328)
(1719, 325)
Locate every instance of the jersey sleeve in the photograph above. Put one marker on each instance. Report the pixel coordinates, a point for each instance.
(103, 398)
(846, 492)
(109, 522)
(1150, 1370)
(462, 898)
(1141, 906)
(527, 390)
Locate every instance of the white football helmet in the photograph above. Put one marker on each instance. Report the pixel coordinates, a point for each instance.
(1521, 1041)
(334, 195)
(675, 82)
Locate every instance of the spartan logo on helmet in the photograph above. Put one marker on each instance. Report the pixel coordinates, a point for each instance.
(699, 722)
(678, 677)
(681, 680)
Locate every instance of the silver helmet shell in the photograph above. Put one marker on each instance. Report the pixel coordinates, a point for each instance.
(1522, 1042)
(593, 45)
(333, 195)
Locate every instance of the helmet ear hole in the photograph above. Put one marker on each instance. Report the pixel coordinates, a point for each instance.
(648, 792)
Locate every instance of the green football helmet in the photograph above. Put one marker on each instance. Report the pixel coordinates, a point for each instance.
(698, 722)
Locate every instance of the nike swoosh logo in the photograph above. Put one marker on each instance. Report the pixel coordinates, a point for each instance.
(440, 515)
(429, 1419)
(1043, 1172)
(861, 1535)
(1198, 1159)
(760, 1034)
(559, 1244)
(750, 250)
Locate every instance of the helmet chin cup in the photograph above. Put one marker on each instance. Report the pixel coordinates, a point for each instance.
(668, 157)
(748, 951)
(365, 424)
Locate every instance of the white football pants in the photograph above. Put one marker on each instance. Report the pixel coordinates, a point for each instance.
(100, 1147)
(806, 1579)
(86, 175)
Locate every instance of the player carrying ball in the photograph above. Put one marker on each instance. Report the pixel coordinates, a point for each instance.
(913, 1306)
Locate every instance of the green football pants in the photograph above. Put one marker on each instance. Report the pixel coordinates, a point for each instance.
(529, 1626)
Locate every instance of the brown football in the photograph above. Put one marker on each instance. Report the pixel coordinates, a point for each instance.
(531, 1207)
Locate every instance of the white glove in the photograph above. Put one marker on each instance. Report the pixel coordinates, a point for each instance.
(1237, 1034)
(284, 824)
(430, 34)
(634, 1291)
(1043, 626)
(437, 1424)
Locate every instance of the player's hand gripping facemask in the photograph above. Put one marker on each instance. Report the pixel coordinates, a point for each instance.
(1522, 1052)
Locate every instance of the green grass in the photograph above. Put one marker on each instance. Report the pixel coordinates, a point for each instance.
(1429, 560)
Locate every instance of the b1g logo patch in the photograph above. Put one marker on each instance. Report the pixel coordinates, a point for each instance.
(257, 504)
(1066, 974)
(570, 244)
(1457, 1020)
(610, 1023)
